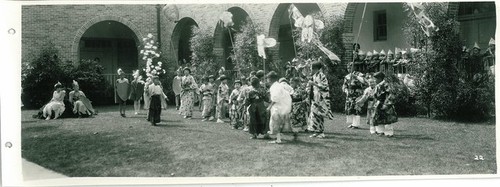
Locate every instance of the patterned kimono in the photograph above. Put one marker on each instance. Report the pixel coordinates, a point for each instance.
(244, 107)
(222, 99)
(235, 112)
(383, 96)
(298, 116)
(187, 95)
(257, 111)
(353, 88)
(320, 103)
(207, 91)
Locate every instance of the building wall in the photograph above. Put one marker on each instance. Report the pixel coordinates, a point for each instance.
(63, 25)
(395, 22)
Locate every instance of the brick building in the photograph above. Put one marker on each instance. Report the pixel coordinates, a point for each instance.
(112, 33)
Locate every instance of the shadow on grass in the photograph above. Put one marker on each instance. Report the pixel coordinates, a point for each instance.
(36, 129)
(413, 137)
(29, 121)
(90, 155)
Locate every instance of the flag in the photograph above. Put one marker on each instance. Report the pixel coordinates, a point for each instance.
(332, 56)
(263, 42)
(425, 23)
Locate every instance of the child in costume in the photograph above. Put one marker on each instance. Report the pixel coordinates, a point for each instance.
(136, 91)
(256, 109)
(207, 91)
(353, 88)
(298, 115)
(81, 104)
(235, 108)
(320, 101)
(56, 104)
(155, 90)
(176, 87)
(146, 96)
(369, 96)
(279, 108)
(122, 87)
(189, 86)
(243, 107)
(385, 113)
(222, 98)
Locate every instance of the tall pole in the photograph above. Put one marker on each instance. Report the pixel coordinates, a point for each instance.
(158, 24)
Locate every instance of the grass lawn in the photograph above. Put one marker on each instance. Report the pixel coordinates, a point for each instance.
(109, 145)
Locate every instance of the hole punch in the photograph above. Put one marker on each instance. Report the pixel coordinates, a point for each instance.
(8, 145)
(12, 31)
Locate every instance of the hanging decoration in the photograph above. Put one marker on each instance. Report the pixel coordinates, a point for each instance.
(425, 23)
(262, 43)
(308, 24)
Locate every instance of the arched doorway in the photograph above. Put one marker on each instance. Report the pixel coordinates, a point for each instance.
(282, 26)
(224, 37)
(111, 43)
(181, 37)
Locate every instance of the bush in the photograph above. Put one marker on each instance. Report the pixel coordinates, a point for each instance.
(441, 89)
(88, 74)
(202, 44)
(40, 76)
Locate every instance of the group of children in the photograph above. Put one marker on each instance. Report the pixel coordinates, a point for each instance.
(393, 62)
(150, 90)
(374, 91)
(249, 103)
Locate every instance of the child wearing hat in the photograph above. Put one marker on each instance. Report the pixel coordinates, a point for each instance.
(122, 89)
(222, 98)
(385, 113)
(234, 111)
(136, 91)
(353, 88)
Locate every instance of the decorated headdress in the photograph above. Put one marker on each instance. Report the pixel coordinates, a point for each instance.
(135, 73)
(369, 53)
(361, 52)
(120, 71)
(375, 52)
(238, 82)
(187, 68)
(390, 52)
(222, 77)
(397, 50)
(403, 52)
(414, 50)
(75, 83)
(492, 41)
(57, 85)
(382, 52)
(283, 80)
(476, 46)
